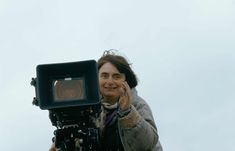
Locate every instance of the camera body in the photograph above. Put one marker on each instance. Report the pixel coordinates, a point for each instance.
(70, 92)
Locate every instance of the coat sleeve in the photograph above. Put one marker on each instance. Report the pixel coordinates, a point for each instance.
(137, 130)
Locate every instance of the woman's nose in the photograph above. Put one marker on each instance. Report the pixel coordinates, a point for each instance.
(110, 80)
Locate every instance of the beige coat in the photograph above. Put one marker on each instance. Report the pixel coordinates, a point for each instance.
(137, 130)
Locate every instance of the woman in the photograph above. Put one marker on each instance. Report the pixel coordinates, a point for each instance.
(126, 121)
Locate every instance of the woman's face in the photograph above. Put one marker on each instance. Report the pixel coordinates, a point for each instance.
(111, 81)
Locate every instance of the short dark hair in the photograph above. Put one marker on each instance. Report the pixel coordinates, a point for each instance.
(121, 64)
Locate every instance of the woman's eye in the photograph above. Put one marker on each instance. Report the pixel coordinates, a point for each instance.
(116, 77)
(104, 76)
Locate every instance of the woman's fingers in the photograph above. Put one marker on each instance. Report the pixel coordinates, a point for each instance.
(125, 96)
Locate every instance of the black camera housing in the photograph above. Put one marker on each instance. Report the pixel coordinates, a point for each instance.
(84, 72)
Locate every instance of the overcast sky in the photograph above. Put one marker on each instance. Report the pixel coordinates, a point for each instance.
(183, 53)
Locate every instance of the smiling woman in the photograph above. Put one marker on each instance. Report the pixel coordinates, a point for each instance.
(124, 112)
(110, 82)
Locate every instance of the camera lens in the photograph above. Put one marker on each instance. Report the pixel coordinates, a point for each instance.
(67, 90)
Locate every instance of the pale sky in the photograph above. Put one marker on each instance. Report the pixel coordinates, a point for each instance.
(183, 53)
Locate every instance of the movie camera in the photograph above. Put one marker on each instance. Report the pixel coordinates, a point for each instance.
(70, 92)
